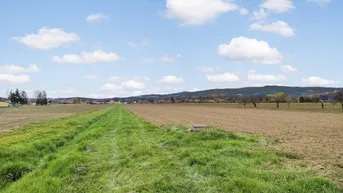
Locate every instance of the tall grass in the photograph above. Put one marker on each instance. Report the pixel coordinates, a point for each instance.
(114, 151)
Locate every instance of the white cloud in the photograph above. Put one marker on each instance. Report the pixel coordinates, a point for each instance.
(47, 38)
(318, 81)
(259, 15)
(253, 76)
(149, 60)
(243, 11)
(135, 78)
(197, 12)
(137, 93)
(278, 27)
(223, 78)
(110, 87)
(13, 69)
(14, 79)
(96, 17)
(167, 59)
(142, 43)
(172, 80)
(278, 6)
(132, 44)
(288, 68)
(179, 56)
(91, 77)
(320, 2)
(208, 69)
(133, 85)
(87, 57)
(245, 49)
(114, 79)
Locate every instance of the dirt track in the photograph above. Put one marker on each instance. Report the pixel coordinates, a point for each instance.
(317, 136)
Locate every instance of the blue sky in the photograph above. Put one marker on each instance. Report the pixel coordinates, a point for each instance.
(112, 48)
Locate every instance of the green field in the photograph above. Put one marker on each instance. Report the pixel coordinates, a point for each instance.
(112, 150)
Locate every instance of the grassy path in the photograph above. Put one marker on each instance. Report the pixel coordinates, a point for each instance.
(114, 151)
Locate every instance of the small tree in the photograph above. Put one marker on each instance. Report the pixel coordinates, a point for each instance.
(173, 100)
(316, 99)
(76, 100)
(244, 100)
(255, 99)
(337, 97)
(277, 98)
(41, 97)
(18, 97)
(290, 99)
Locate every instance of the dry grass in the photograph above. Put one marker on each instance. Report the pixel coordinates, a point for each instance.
(318, 137)
(18, 116)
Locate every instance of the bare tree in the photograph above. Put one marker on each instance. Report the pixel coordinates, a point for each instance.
(255, 99)
(337, 97)
(244, 100)
(290, 99)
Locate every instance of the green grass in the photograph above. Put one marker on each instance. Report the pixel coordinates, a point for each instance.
(114, 151)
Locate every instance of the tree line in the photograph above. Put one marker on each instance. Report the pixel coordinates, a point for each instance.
(19, 97)
(277, 98)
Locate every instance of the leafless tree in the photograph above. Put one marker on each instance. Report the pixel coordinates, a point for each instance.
(337, 97)
(290, 99)
(255, 99)
(244, 100)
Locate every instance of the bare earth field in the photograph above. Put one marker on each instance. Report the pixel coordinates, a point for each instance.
(315, 135)
(19, 116)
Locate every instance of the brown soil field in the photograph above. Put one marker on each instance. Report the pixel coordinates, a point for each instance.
(18, 116)
(316, 136)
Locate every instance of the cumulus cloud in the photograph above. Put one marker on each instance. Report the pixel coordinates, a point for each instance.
(245, 49)
(197, 12)
(208, 69)
(133, 85)
(243, 11)
(259, 15)
(278, 6)
(253, 76)
(223, 78)
(14, 79)
(110, 87)
(172, 80)
(278, 27)
(318, 81)
(87, 57)
(96, 17)
(288, 68)
(13, 69)
(47, 38)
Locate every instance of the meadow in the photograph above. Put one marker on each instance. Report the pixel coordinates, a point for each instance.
(112, 150)
(20, 116)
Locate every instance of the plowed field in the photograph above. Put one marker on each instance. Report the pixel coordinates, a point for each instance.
(316, 136)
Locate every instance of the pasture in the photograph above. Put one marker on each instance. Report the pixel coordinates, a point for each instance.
(19, 116)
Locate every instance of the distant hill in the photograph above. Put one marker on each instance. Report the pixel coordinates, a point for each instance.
(246, 91)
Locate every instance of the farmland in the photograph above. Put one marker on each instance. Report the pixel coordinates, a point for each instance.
(112, 150)
(19, 116)
(304, 129)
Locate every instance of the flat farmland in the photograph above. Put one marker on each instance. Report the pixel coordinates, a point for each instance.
(19, 116)
(317, 136)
